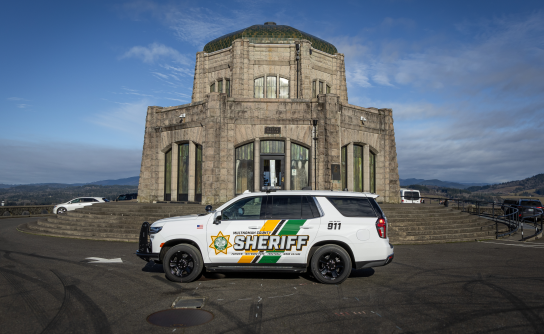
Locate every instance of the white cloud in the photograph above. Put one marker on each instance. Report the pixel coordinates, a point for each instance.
(23, 106)
(154, 52)
(16, 99)
(127, 117)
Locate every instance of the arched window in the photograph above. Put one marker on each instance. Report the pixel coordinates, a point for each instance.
(284, 88)
(299, 167)
(372, 169)
(183, 172)
(244, 168)
(344, 167)
(212, 88)
(168, 175)
(259, 88)
(357, 168)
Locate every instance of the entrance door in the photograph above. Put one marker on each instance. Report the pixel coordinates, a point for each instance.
(273, 170)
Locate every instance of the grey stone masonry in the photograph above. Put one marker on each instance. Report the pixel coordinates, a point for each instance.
(221, 121)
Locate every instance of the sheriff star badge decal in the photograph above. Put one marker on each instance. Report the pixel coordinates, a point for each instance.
(220, 243)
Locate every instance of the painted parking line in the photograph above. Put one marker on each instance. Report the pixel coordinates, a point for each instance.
(514, 243)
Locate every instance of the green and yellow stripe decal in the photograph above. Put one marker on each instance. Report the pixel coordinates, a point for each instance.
(275, 227)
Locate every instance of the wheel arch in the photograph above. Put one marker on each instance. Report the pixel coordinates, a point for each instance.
(316, 246)
(171, 243)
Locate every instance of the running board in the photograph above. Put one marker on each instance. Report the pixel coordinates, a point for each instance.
(255, 268)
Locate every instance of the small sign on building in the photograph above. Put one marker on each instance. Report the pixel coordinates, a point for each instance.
(335, 172)
(269, 130)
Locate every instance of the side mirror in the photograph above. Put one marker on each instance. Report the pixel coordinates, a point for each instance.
(208, 208)
(217, 218)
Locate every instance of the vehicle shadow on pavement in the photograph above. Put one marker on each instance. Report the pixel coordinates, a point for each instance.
(367, 272)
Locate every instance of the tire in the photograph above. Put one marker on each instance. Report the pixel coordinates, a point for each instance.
(61, 211)
(331, 264)
(183, 263)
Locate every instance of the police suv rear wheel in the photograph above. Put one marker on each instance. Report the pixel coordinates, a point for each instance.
(183, 263)
(331, 264)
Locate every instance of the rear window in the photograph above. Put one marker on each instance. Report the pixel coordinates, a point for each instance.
(411, 195)
(353, 206)
(291, 207)
(530, 203)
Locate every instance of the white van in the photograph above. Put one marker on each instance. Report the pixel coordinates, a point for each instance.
(410, 196)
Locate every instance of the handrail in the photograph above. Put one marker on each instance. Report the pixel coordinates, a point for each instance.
(511, 218)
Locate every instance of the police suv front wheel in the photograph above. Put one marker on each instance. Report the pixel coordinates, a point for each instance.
(183, 263)
(331, 264)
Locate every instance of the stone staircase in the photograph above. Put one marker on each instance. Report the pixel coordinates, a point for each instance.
(426, 223)
(114, 221)
(121, 221)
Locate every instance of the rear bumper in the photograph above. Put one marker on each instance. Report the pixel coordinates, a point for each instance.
(377, 263)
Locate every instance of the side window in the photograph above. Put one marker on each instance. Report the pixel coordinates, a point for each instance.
(244, 209)
(353, 206)
(285, 207)
(77, 200)
(309, 209)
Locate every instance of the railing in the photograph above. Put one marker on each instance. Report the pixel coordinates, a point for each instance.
(512, 217)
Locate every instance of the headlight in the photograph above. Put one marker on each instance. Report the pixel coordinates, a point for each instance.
(153, 230)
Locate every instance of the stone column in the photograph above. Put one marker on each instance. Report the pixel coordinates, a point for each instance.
(257, 164)
(287, 184)
(175, 168)
(366, 169)
(192, 171)
(349, 162)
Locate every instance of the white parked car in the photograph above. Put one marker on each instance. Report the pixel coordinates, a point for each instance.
(325, 232)
(77, 203)
(410, 196)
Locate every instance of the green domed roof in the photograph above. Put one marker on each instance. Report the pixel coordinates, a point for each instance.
(269, 33)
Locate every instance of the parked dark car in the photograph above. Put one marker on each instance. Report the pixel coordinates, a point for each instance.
(527, 207)
(126, 197)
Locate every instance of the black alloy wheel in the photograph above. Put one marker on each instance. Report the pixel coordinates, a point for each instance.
(183, 263)
(61, 211)
(331, 264)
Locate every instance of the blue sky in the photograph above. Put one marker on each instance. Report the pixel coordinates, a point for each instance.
(465, 79)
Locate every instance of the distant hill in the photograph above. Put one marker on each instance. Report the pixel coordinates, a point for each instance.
(129, 181)
(438, 183)
(528, 185)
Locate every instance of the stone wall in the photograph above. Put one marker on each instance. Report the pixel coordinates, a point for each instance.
(220, 124)
(6, 211)
(243, 62)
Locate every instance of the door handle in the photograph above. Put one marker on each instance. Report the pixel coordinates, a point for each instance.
(306, 227)
(254, 227)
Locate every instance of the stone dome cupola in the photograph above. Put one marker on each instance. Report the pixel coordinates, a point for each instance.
(269, 33)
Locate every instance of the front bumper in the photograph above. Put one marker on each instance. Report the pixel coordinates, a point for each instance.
(378, 263)
(145, 248)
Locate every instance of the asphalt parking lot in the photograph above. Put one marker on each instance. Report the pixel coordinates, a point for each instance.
(47, 285)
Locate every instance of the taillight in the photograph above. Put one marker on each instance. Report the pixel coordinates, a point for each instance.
(402, 201)
(381, 226)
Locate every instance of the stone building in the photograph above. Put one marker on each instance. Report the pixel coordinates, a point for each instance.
(269, 107)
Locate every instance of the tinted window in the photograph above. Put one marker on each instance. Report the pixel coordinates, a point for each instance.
(530, 203)
(75, 201)
(285, 207)
(244, 209)
(105, 199)
(376, 207)
(411, 195)
(306, 209)
(353, 206)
